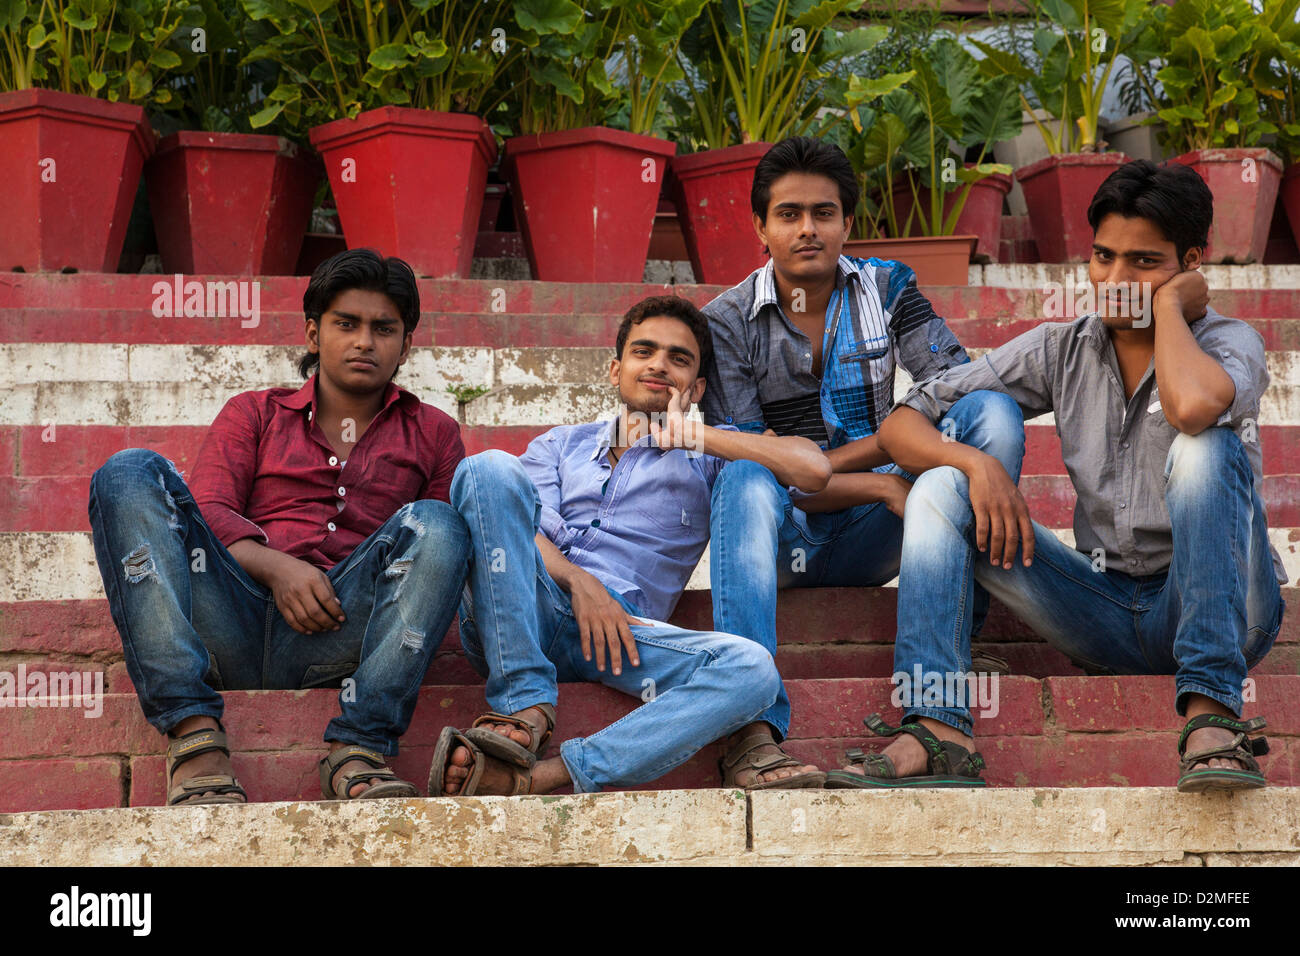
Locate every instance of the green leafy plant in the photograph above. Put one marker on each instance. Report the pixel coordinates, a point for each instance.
(464, 394)
(647, 60)
(919, 135)
(1217, 65)
(761, 72)
(1281, 39)
(117, 50)
(1074, 43)
(339, 57)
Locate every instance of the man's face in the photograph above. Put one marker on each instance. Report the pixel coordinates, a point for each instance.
(660, 352)
(805, 227)
(1132, 250)
(361, 341)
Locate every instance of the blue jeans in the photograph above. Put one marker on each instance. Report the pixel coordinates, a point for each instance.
(193, 622)
(518, 630)
(761, 542)
(1213, 614)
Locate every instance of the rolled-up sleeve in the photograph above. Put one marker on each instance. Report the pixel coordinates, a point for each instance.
(541, 459)
(1239, 350)
(1021, 369)
(224, 470)
(923, 343)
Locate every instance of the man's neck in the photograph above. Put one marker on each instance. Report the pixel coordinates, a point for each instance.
(1133, 342)
(804, 296)
(333, 404)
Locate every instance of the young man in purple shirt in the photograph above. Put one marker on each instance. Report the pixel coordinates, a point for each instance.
(580, 550)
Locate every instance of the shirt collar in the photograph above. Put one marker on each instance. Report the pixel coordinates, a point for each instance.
(305, 397)
(608, 435)
(765, 283)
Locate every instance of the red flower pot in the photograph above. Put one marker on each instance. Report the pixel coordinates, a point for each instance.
(711, 192)
(1289, 195)
(410, 183)
(1245, 184)
(936, 260)
(980, 217)
(585, 201)
(1057, 191)
(230, 203)
(71, 165)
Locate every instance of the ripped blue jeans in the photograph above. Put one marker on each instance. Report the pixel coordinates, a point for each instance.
(194, 623)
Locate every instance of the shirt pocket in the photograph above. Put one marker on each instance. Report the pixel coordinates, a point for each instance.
(667, 514)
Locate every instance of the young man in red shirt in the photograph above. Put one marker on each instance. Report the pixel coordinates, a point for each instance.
(285, 562)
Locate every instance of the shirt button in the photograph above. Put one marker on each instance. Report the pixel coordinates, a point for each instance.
(1123, 504)
(330, 525)
(595, 522)
(342, 491)
(309, 414)
(807, 355)
(333, 460)
(729, 420)
(1123, 444)
(934, 348)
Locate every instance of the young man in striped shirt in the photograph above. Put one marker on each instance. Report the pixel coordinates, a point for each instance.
(808, 345)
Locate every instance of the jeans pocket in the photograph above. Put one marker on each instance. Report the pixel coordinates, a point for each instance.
(327, 675)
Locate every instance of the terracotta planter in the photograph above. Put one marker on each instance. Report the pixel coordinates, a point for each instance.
(410, 183)
(711, 192)
(70, 167)
(1245, 184)
(1058, 190)
(981, 216)
(230, 203)
(936, 260)
(585, 201)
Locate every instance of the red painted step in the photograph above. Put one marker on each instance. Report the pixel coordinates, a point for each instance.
(1083, 731)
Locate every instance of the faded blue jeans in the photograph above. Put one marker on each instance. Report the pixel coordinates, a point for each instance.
(193, 622)
(1212, 615)
(518, 630)
(762, 542)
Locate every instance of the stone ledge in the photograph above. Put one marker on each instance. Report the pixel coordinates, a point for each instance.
(1094, 826)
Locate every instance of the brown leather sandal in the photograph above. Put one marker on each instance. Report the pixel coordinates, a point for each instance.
(448, 740)
(502, 747)
(390, 786)
(742, 757)
(206, 790)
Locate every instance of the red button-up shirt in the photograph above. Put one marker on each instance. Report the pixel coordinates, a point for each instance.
(266, 471)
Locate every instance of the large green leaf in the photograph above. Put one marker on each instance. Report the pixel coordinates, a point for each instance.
(548, 16)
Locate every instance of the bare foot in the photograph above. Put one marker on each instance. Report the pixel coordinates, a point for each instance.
(496, 780)
(909, 755)
(212, 763)
(747, 778)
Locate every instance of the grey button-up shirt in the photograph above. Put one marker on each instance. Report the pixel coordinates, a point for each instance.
(638, 527)
(1114, 450)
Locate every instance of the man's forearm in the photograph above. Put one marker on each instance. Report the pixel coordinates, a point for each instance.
(257, 560)
(793, 460)
(860, 455)
(848, 490)
(560, 568)
(1194, 388)
(912, 441)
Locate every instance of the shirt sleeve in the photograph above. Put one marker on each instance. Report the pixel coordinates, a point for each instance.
(731, 389)
(1021, 369)
(541, 459)
(1239, 350)
(711, 465)
(449, 452)
(923, 343)
(225, 469)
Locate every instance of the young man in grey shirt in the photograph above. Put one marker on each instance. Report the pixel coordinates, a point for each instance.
(1172, 571)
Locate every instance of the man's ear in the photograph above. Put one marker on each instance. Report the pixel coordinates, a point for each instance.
(313, 336)
(697, 390)
(1192, 258)
(760, 227)
(615, 367)
(406, 348)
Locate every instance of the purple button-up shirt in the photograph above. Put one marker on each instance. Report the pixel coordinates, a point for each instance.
(638, 527)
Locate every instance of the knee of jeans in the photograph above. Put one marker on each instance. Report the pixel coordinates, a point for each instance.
(491, 468)
(756, 673)
(438, 528)
(997, 427)
(749, 485)
(127, 465)
(940, 493)
(1197, 457)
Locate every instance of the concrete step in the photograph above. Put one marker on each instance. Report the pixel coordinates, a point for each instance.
(1103, 826)
(822, 633)
(1058, 731)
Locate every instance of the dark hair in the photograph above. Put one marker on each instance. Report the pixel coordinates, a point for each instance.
(673, 307)
(803, 154)
(359, 269)
(1172, 196)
